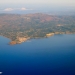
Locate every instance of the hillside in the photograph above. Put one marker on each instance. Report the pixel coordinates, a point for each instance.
(20, 28)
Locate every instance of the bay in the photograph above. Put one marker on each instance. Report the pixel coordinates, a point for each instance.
(46, 56)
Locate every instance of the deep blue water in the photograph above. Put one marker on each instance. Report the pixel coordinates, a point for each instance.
(47, 56)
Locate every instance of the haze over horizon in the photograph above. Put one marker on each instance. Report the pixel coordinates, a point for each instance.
(26, 6)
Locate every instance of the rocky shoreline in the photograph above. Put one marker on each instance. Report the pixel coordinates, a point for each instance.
(19, 40)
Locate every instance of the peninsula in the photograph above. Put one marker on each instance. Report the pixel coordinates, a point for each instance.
(21, 27)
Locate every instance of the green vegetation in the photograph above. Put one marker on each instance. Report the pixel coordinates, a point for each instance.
(35, 25)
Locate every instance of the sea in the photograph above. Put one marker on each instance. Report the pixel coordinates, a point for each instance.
(45, 56)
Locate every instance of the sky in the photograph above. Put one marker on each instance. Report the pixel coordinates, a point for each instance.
(54, 2)
(45, 5)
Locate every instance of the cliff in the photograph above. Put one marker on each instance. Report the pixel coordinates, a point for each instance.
(50, 34)
(19, 40)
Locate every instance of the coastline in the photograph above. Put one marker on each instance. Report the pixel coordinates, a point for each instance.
(47, 36)
(20, 40)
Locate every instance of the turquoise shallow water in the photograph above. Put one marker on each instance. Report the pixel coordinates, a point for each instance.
(47, 56)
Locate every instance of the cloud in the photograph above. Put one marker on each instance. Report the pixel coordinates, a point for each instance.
(8, 9)
(16, 9)
(25, 9)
